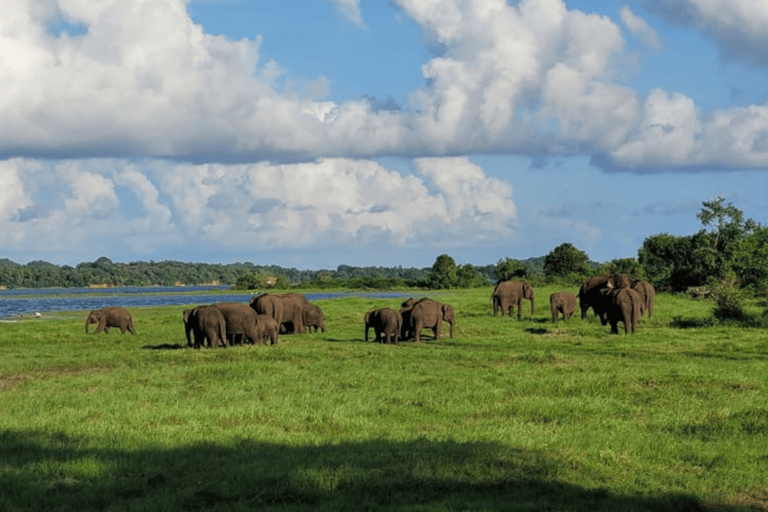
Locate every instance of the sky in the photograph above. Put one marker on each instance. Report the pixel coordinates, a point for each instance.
(318, 133)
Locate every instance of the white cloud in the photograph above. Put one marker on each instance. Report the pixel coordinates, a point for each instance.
(142, 79)
(350, 9)
(638, 26)
(13, 195)
(90, 194)
(101, 206)
(739, 27)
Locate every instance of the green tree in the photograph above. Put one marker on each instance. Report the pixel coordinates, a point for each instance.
(468, 277)
(624, 266)
(750, 260)
(726, 236)
(670, 262)
(565, 259)
(508, 268)
(443, 273)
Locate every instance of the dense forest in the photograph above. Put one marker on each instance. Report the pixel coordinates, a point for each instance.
(729, 252)
(103, 271)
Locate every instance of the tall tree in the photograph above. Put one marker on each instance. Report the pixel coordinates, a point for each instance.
(443, 274)
(565, 259)
(509, 268)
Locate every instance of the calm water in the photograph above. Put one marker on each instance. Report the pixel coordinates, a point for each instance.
(47, 301)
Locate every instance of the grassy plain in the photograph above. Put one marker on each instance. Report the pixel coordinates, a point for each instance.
(510, 415)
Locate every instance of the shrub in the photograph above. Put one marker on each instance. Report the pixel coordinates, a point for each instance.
(728, 299)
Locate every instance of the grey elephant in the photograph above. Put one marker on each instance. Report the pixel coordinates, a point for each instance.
(110, 317)
(240, 321)
(406, 308)
(206, 323)
(647, 294)
(385, 322)
(285, 308)
(619, 281)
(266, 329)
(510, 294)
(313, 317)
(623, 305)
(562, 303)
(430, 314)
(590, 296)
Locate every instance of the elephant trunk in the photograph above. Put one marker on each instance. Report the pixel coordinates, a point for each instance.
(533, 305)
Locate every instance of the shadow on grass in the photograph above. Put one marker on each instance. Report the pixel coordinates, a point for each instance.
(43, 471)
(164, 346)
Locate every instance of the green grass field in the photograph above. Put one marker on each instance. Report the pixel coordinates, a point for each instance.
(510, 415)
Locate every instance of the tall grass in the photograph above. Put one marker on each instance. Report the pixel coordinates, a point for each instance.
(509, 415)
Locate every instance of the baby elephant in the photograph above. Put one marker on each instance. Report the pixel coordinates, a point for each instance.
(110, 317)
(384, 321)
(563, 303)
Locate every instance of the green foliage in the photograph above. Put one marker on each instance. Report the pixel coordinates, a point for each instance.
(509, 415)
(624, 266)
(728, 299)
(508, 268)
(444, 273)
(39, 274)
(750, 261)
(731, 245)
(565, 259)
(467, 276)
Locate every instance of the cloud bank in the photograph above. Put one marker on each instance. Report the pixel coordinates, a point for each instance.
(108, 204)
(128, 113)
(140, 78)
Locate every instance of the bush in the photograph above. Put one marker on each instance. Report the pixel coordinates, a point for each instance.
(728, 300)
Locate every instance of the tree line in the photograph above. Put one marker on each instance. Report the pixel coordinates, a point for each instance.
(728, 250)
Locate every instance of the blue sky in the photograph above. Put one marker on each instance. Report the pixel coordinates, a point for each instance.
(315, 133)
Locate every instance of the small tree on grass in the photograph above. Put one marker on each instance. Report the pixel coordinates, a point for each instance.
(728, 299)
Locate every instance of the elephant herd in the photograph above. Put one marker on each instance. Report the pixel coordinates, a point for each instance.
(391, 326)
(614, 298)
(264, 318)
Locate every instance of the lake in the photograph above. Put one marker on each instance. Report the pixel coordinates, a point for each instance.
(47, 301)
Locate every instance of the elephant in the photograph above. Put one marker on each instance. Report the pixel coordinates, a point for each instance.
(313, 317)
(284, 308)
(619, 281)
(590, 296)
(510, 294)
(406, 308)
(266, 329)
(623, 305)
(110, 317)
(240, 320)
(206, 322)
(647, 294)
(385, 321)
(430, 314)
(563, 303)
